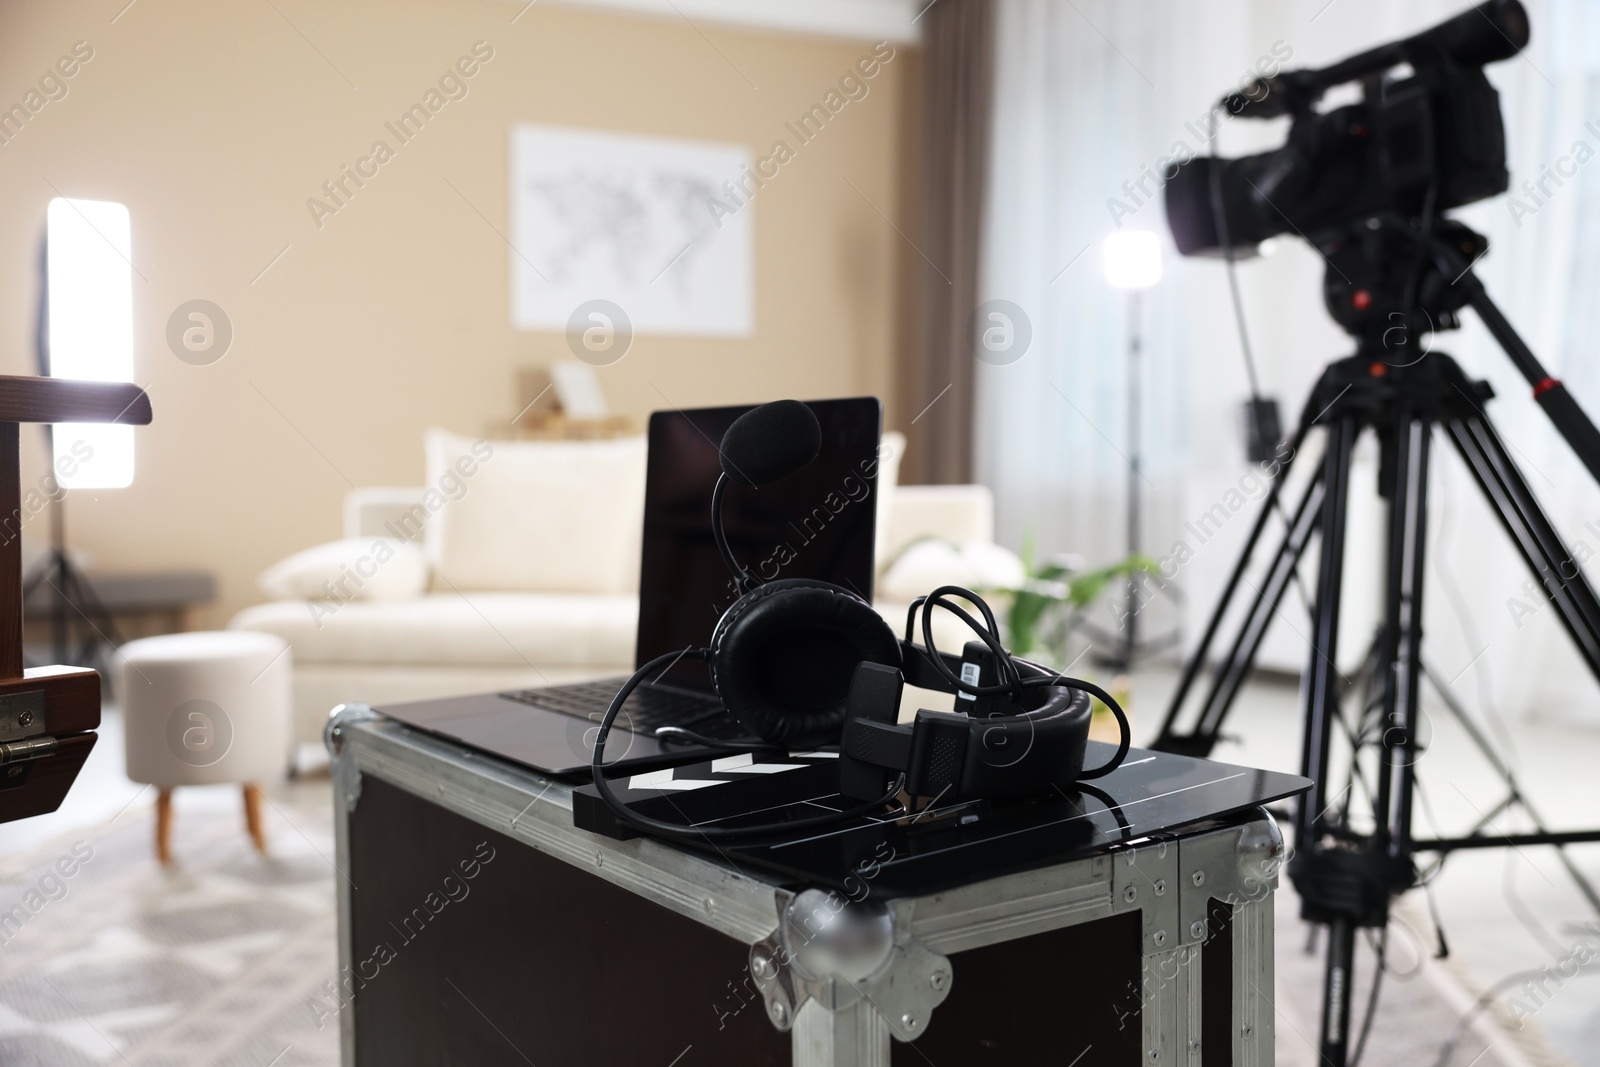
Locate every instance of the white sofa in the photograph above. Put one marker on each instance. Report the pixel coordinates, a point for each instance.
(444, 629)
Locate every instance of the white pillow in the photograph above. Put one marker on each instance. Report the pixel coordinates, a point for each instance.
(926, 565)
(357, 568)
(536, 516)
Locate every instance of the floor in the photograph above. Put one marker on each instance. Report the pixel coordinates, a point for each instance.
(1501, 911)
(222, 959)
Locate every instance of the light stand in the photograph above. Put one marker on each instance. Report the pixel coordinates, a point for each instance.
(85, 332)
(1131, 260)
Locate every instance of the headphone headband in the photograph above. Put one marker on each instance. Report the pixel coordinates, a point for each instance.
(1007, 749)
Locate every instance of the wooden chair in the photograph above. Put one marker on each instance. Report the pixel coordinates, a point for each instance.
(48, 715)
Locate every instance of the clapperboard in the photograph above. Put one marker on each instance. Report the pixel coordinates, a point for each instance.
(724, 791)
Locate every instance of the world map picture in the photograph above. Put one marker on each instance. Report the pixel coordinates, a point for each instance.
(645, 222)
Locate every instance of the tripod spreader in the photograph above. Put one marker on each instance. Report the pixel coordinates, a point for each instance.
(1349, 884)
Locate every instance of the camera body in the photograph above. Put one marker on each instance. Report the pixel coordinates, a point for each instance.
(1438, 128)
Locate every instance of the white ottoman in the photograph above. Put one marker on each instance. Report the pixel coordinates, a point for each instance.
(203, 709)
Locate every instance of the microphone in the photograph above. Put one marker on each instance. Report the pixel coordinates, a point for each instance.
(769, 443)
(764, 445)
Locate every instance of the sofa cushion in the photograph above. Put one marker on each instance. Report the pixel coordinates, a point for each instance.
(500, 629)
(538, 516)
(356, 568)
(926, 565)
(890, 451)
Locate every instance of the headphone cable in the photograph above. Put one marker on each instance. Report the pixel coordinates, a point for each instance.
(1006, 662)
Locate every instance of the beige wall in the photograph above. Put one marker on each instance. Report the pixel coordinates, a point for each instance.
(215, 122)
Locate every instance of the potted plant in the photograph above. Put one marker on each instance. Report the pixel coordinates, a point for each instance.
(1049, 606)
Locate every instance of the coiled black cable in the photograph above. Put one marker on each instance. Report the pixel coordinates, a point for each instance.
(989, 633)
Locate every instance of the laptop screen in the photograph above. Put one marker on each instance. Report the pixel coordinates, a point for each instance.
(817, 523)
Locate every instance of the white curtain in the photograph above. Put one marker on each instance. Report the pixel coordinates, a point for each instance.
(1090, 95)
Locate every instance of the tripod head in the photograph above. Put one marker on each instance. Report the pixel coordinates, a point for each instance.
(1387, 286)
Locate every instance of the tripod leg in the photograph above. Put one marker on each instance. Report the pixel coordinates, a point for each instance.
(90, 607)
(1344, 887)
(1408, 536)
(77, 604)
(1200, 741)
(41, 571)
(1323, 682)
(1532, 533)
(1231, 673)
(61, 621)
(1338, 977)
(1323, 687)
(1562, 408)
(1491, 754)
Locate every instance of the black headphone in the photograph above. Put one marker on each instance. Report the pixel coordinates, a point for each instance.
(803, 663)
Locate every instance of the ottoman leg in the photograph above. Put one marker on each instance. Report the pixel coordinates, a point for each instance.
(164, 825)
(252, 816)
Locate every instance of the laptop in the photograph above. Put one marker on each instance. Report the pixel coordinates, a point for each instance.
(817, 524)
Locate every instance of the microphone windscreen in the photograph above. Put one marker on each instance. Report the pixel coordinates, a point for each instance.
(771, 442)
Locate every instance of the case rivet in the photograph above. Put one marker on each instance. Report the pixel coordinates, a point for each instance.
(939, 981)
(1129, 894)
(1197, 929)
(762, 966)
(1246, 1030)
(1161, 886)
(908, 1021)
(25, 719)
(780, 1014)
(1199, 878)
(1160, 937)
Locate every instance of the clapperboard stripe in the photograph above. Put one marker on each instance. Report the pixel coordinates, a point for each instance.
(663, 779)
(682, 779)
(720, 771)
(746, 764)
(711, 790)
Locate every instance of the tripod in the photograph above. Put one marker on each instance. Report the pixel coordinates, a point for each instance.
(1345, 877)
(71, 595)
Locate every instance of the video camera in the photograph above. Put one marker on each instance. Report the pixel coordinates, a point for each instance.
(1425, 136)
(1439, 127)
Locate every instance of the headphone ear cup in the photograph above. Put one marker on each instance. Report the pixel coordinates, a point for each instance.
(783, 656)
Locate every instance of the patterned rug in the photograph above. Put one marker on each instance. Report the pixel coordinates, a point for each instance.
(107, 958)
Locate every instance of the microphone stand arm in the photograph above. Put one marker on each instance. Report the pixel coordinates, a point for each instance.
(743, 579)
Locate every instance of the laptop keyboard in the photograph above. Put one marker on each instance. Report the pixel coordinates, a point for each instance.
(648, 707)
